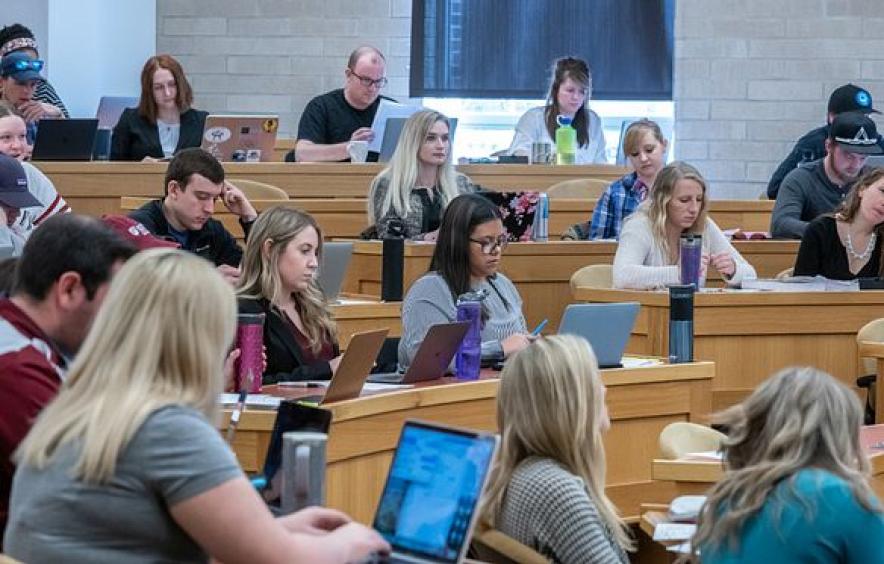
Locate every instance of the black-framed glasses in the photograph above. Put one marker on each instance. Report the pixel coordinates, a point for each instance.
(31, 64)
(490, 246)
(368, 82)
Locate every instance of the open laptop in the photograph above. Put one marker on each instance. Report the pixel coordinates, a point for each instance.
(393, 130)
(353, 369)
(65, 139)
(235, 138)
(335, 260)
(606, 326)
(433, 356)
(429, 503)
(110, 108)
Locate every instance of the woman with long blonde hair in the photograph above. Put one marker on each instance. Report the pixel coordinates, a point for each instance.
(408, 197)
(279, 280)
(125, 464)
(547, 488)
(648, 253)
(795, 487)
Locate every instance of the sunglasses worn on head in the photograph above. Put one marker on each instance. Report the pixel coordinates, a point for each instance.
(35, 64)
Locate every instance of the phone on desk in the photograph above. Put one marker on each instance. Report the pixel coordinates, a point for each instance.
(291, 416)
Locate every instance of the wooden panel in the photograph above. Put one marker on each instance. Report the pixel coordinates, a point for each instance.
(364, 431)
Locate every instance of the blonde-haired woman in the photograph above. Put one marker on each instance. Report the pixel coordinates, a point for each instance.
(648, 255)
(547, 488)
(795, 487)
(278, 279)
(408, 197)
(125, 465)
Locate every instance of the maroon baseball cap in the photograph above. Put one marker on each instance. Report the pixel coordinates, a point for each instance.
(136, 233)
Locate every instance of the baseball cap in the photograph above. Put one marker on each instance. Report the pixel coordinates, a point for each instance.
(14, 185)
(855, 132)
(136, 233)
(851, 98)
(20, 66)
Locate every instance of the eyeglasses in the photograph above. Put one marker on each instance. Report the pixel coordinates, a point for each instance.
(23, 65)
(368, 82)
(490, 246)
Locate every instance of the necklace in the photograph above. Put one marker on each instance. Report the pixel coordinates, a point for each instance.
(863, 255)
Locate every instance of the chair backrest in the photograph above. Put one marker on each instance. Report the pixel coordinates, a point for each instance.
(680, 438)
(785, 273)
(871, 331)
(497, 548)
(578, 188)
(255, 190)
(594, 276)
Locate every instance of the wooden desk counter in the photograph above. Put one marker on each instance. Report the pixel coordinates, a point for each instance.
(354, 316)
(364, 431)
(541, 271)
(751, 335)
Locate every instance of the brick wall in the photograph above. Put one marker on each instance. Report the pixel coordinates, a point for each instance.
(753, 76)
(275, 55)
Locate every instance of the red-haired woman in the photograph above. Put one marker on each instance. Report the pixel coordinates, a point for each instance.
(163, 123)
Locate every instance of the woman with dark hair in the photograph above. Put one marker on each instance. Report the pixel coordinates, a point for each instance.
(848, 243)
(468, 251)
(16, 38)
(570, 89)
(164, 122)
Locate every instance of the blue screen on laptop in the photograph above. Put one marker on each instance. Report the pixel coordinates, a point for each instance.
(432, 489)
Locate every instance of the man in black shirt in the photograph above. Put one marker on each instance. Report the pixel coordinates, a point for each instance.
(194, 180)
(331, 120)
(812, 147)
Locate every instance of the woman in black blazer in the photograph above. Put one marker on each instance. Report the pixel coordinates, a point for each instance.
(278, 279)
(163, 123)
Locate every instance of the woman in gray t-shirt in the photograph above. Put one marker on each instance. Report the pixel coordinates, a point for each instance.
(467, 257)
(125, 466)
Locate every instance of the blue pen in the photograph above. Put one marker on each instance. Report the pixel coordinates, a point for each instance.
(539, 328)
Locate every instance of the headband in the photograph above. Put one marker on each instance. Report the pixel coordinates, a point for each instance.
(18, 43)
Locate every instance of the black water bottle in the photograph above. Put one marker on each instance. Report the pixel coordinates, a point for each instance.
(681, 324)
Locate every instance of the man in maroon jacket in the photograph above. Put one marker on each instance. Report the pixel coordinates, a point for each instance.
(60, 282)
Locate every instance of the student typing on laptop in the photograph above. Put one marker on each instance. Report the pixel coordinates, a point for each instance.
(467, 257)
(278, 279)
(408, 197)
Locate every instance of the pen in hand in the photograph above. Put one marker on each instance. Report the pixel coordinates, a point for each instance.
(539, 328)
(234, 417)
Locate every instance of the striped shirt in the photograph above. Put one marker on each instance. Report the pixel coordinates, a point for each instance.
(429, 302)
(548, 508)
(46, 93)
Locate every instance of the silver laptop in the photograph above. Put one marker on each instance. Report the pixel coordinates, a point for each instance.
(393, 130)
(110, 108)
(433, 356)
(606, 326)
(333, 268)
(429, 503)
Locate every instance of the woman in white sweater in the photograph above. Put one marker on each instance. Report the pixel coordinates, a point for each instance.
(647, 256)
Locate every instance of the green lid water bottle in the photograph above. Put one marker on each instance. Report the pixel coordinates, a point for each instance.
(566, 141)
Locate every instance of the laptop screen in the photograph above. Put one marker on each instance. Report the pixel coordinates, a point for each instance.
(435, 481)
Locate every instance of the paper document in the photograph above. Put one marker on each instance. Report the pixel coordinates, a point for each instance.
(801, 284)
(387, 109)
(639, 361)
(252, 400)
(674, 531)
(680, 548)
(715, 455)
(376, 387)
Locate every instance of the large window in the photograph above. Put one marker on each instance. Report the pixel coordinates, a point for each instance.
(504, 48)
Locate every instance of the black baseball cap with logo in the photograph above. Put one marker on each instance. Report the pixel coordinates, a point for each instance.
(855, 132)
(14, 185)
(851, 98)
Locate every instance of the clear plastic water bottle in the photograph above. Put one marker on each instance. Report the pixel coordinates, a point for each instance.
(468, 361)
(541, 218)
(566, 141)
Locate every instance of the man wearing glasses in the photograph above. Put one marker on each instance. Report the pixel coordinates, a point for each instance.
(19, 75)
(334, 119)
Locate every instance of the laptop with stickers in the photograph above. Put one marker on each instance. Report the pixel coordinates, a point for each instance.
(240, 139)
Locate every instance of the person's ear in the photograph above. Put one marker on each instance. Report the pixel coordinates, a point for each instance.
(265, 248)
(829, 146)
(174, 189)
(69, 291)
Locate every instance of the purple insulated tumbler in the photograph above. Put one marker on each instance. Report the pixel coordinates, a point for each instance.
(250, 342)
(468, 361)
(690, 251)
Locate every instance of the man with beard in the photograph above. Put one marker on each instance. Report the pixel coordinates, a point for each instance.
(818, 187)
